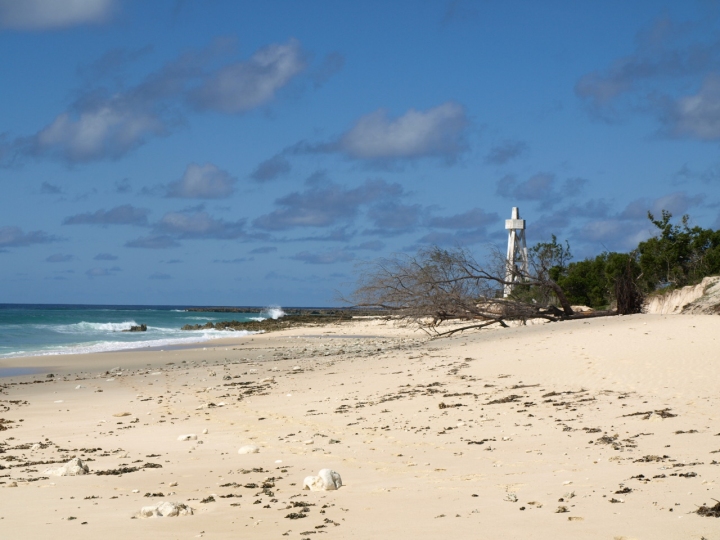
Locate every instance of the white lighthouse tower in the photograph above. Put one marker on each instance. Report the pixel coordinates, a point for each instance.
(517, 253)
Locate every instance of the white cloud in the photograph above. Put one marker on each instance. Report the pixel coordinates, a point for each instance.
(242, 86)
(105, 131)
(199, 225)
(202, 182)
(15, 237)
(44, 14)
(697, 116)
(434, 132)
(676, 203)
(104, 124)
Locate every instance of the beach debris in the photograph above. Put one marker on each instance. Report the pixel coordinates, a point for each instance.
(511, 497)
(326, 480)
(165, 509)
(561, 510)
(296, 515)
(509, 399)
(74, 467)
(709, 511)
(188, 437)
(205, 431)
(248, 449)
(443, 405)
(662, 413)
(121, 414)
(117, 472)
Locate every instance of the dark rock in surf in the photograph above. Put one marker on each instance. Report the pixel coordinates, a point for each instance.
(139, 328)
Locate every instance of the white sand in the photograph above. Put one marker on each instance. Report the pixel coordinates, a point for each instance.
(369, 408)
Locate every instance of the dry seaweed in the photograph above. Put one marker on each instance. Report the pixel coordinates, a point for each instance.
(509, 399)
(662, 413)
(709, 511)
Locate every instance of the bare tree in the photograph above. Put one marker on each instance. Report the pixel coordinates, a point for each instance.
(439, 285)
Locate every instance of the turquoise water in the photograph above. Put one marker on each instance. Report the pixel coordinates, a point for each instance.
(36, 330)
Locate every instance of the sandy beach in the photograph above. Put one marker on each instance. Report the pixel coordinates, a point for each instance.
(605, 428)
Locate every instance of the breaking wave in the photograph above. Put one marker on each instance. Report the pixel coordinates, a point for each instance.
(272, 312)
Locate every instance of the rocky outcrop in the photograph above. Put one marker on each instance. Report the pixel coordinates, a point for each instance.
(138, 328)
(703, 298)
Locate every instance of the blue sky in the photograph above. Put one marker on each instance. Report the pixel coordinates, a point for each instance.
(253, 153)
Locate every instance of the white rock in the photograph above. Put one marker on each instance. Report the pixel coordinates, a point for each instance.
(267, 379)
(296, 368)
(313, 483)
(188, 437)
(136, 491)
(74, 467)
(166, 509)
(79, 386)
(34, 447)
(205, 431)
(249, 449)
(309, 441)
(326, 480)
(173, 484)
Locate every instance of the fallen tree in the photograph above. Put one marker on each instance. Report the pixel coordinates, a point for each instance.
(439, 285)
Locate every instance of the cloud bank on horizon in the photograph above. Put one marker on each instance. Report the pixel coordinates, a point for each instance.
(173, 152)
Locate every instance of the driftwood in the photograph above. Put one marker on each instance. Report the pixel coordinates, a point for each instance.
(439, 285)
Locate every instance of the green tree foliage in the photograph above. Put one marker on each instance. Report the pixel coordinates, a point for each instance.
(680, 255)
(594, 281)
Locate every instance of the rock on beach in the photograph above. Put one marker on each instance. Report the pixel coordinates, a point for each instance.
(249, 449)
(326, 480)
(166, 509)
(74, 467)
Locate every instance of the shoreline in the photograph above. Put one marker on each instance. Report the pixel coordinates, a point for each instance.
(483, 430)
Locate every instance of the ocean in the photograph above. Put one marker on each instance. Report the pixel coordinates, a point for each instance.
(39, 330)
